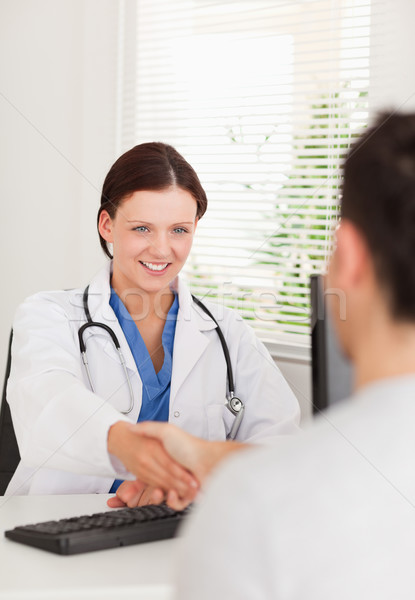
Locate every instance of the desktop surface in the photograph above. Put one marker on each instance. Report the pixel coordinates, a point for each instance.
(144, 571)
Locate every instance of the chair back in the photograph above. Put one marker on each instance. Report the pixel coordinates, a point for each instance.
(9, 450)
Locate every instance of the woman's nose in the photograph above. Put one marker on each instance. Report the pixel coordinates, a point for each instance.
(160, 247)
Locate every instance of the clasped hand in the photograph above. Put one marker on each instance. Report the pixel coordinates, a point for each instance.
(169, 464)
(158, 475)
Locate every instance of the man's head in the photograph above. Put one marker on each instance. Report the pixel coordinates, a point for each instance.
(373, 264)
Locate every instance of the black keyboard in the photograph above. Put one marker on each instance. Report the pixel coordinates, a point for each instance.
(99, 531)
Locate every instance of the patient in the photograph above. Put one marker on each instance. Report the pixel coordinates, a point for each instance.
(331, 513)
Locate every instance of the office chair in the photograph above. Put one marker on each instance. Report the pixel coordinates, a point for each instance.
(9, 450)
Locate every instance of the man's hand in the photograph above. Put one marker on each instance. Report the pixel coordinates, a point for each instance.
(197, 455)
(147, 459)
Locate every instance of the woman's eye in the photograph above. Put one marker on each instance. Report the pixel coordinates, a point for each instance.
(180, 230)
(141, 228)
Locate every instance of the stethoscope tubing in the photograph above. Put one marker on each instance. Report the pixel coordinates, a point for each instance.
(231, 386)
(82, 347)
(234, 404)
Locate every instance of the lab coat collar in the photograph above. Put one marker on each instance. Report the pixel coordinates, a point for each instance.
(100, 292)
(189, 311)
(192, 322)
(190, 340)
(98, 302)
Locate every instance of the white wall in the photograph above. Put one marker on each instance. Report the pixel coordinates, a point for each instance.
(58, 61)
(392, 51)
(57, 112)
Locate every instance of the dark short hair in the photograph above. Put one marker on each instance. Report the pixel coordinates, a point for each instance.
(149, 166)
(379, 198)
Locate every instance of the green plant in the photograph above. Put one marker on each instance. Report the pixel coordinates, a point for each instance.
(307, 207)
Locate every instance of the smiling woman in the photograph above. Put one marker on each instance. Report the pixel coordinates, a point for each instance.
(152, 235)
(75, 418)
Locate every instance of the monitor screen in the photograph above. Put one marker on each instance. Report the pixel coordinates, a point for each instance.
(332, 373)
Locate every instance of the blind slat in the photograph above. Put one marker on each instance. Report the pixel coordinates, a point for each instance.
(264, 100)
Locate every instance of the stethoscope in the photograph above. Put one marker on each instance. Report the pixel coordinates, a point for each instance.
(233, 404)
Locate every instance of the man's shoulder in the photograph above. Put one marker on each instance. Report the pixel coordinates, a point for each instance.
(339, 495)
(363, 436)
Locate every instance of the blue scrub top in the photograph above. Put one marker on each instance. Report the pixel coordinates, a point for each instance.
(156, 386)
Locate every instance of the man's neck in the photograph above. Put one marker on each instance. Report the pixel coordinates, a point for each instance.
(385, 350)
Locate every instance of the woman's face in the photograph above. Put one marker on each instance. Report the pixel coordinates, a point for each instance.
(152, 234)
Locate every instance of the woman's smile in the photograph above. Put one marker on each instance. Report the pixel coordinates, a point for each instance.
(155, 268)
(152, 235)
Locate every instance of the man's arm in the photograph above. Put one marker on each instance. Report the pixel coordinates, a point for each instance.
(146, 458)
(198, 456)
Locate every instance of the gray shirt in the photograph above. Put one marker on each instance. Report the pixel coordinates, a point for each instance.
(325, 515)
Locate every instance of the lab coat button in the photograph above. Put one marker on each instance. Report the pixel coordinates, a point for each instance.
(176, 413)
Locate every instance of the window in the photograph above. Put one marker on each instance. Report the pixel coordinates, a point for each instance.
(263, 99)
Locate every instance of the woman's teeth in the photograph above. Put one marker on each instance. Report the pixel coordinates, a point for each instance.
(154, 267)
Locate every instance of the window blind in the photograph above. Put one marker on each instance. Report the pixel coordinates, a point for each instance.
(263, 99)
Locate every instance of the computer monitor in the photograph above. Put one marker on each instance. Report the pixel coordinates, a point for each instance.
(332, 373)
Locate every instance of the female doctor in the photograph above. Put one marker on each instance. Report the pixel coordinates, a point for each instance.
(135, 346)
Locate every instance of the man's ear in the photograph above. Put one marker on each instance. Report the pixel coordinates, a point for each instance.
(352, 257)
(105, 226)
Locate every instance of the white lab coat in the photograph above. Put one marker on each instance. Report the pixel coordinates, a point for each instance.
(62, 426)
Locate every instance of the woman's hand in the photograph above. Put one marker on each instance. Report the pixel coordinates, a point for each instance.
(135, 493)
(147, 459)
(197, 455)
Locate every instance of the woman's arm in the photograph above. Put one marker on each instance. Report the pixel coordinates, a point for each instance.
(199, 456)
(148, 460)
(60, 424)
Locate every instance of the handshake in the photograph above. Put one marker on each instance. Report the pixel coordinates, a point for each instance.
(169, 464)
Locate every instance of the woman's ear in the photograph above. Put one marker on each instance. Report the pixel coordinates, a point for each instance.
(105, 225)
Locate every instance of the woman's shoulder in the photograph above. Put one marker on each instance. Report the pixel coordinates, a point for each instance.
(68, 301)
(220, 311)
(64, 301)
(229, 319)
(55, 296)
(193, 301)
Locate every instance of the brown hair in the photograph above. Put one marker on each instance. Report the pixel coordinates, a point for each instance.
(379, 198)
(149, 166)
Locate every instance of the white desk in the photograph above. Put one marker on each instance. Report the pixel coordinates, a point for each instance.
(139, 572)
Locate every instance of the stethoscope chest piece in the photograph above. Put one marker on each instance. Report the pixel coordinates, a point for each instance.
(237, 408)
(235, 405)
